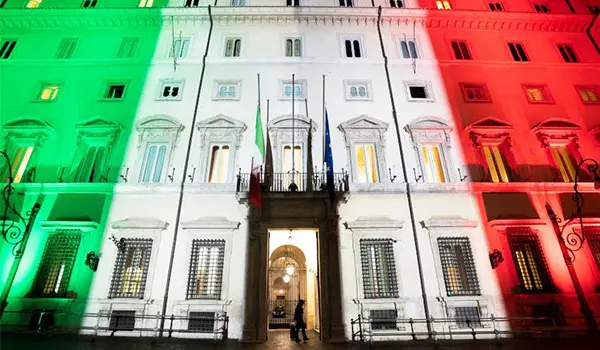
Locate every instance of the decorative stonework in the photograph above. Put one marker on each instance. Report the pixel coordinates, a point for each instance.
(98, 128)
(33, 131)
(557, 131)
(210, 223)
(140, 223)
(513, 225)
(488, 130)
(376, 223)
(444, 222)
(280, 131)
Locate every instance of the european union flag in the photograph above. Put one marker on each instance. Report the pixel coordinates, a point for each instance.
(328, 161)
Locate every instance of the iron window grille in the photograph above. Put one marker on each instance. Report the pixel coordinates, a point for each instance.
(530, 264)
(122, 320)
(467, 317)
(131, 269)
(54, 273)
(458, 266)
(594, 242)
(205, 279)
(383, 319)
(201, 322)
(378, 268)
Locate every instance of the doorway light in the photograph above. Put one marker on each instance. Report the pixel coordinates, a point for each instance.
(286, 278)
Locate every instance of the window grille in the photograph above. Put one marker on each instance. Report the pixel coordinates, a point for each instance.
(529, 262)
(131, 269)
(206, 269)
(122, 320)
(55, 269)
(458, 266)
(383, 319)
(201, 322)
(378, 268)
(467, 317)
(594, 242)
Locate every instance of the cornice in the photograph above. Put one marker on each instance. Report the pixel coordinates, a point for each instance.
(373, 223)
(445, 222)
(211, 223)
(302, 16)
(140, 223)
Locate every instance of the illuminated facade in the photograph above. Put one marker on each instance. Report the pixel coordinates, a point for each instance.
(453, 125)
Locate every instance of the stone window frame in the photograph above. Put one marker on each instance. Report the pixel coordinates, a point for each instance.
(365, 129)
(280, 132)
(218, 83)
(301, 82)
(433, 130)
(158, 128)
(219, 129)
(162, 83)
(368, 86)
(426, 84)
(352, 37)
(294, 37)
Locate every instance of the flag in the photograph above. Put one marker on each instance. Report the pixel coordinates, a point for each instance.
(328, 161)
(257, 161)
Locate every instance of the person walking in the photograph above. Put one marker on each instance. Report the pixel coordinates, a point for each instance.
(300, 325)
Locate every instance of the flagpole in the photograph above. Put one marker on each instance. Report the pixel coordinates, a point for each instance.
(324, 112)
(258, 106)
(258, 81)
(293, 125)
(309, 160)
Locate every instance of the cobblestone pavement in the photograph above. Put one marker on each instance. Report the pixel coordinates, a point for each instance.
(278, 340)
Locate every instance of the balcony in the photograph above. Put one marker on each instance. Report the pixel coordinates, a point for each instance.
(286, 182)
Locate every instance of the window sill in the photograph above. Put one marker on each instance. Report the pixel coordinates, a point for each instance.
(111, 100)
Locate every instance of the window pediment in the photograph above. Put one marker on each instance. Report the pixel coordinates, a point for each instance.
(429, 130)
(363, 122)
(98, 128)
(140, 223)
(516, 225)
(489, 131)
(28, 128)
(210, 223)
(300, 122)
(445, 222)
(221, 122)
(159, 121)
(489, 123)
(363, 223)
(556, 130)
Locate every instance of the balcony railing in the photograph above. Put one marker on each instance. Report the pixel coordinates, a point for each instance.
(297, 182)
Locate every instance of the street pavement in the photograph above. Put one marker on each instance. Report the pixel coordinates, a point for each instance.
(278, 340)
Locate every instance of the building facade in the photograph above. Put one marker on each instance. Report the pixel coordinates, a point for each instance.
(453, 125)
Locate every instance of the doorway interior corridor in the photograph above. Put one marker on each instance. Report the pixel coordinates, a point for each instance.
(292, 276)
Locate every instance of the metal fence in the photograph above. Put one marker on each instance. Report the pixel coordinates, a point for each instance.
(282, 182)
(213, 325)
(281, 313)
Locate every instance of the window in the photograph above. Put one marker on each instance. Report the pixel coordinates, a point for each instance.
(541, 8)
(495, 163)
(529, 263)
(564, 161)
(238, 2)
(48, 92)
(408, 48)
(292, 2)
(443, 5)
(154, 163)
(517, 52)
(91, 160)
(461, 50)
(366, 163)
(24, 138)
(430, 138)
(227, 91)
(54, 272)
(346, 3)
(89, 4)
(192, 3)
(475, 92)
(115, 92)
(397, 4)
(298, 89)
(66, 48)
(179, 48)
(538, 94)
(170, 89)
(202, 322)
(357, 90)
(567, 53)
(383, 319)
(7, 48)
(292, 164)
(352, 47)
(21, 163)
(131, 269)
(419, 91)
(233, 47)
(2, 2)
(594, 243)
(128, 48)
(589, 94)
(122, 320)
(145, 3)
(378, 268)
(92, 166)
(218, 166)
(467, 317)
(293, 47)
(206, 269)
(32, 4)
(458, 266)
(432, 163)
(495, 6)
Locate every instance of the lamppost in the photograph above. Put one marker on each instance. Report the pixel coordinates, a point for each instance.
(574, 240)
(15, 231)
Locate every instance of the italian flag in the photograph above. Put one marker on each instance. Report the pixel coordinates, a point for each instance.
(257, 161)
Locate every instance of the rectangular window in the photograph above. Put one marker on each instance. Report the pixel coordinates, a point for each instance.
(443, 5)
(564, 162)
(20, 163)
(122, 320)
(145, 3)
(115, 92)
(91, 164)
(538, 94)
(32, 4)
(48, 92)
(594, 242)
(192, 3)
(297, 88)
(378, 268)
(88, 4)
(357, 91)
(495, 6)
(296, 166)
(408, 48)
(179, 48)
(418, 92)
(396, 4)
(352, 47)
(458, 266)
(518, 52)
(475, 92)
(461, 50)
(589, 94)
(233, 47)
(383, 319)
(128, 48)
(567, 53)
(7, 48)
(218, 164)
(529, 263)
(432, 163)
(66, 48)
(346, 3)
(292, 2)
(170, 91)
(154, 162)
(467, 317)
(541, 8)
(366, 163)
(227, 91)
(496, 164)
(201, 322)
(293, 47)
(131, 269)
(206, 269)
(56, 266)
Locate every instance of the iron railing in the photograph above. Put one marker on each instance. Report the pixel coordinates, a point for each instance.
(282, 182)
(281, 313)
(48, 321)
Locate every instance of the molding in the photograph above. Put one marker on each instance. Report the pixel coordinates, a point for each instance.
(363, 223)
(28, 128)
(158, 121)
(437, 222)
(503, 224)
(140, 223)
(210, 223)
(84, 226)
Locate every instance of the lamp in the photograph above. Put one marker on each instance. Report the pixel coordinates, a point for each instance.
(286, 278)
(290, 268)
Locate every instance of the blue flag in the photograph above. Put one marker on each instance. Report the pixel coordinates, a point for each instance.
(329, 161)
